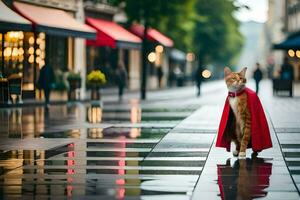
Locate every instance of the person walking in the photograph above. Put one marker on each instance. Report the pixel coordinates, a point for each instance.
(121, 78)
(45, 82)
(198, 78)
(160, 75)
(257, 75)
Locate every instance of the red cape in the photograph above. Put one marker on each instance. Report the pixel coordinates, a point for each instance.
(260, 134)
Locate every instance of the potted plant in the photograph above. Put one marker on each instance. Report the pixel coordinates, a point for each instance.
(95, 80)
(74, 80)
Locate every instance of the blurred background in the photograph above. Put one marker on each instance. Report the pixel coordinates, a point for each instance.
(160, 43)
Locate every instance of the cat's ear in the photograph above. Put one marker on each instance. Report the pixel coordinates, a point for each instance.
(243, 72)
(227, 71)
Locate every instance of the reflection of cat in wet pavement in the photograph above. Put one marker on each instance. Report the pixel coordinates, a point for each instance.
(245, 180)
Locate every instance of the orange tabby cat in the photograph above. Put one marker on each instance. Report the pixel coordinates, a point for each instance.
(240, 125)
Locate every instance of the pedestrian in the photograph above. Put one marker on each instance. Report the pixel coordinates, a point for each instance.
(198, 78)
(45, 82)
(121, 78)
(287, 70)
(257, 75)
(160, 75)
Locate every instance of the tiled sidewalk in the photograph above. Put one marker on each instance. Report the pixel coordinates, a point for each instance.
(266, 177)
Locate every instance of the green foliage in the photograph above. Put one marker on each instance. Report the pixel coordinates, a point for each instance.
(60, 83)
(72, 76)
(217, 37)
(207, 28)
(95, 79)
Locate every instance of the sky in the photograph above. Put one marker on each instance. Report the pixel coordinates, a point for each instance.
(258, 10)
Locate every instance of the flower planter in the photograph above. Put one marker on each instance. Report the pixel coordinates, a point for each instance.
(74, 80)
(95, 80)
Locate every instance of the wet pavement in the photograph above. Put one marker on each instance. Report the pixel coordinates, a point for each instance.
(162, 148)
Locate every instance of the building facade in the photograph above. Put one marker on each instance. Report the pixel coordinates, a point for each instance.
(283, 31)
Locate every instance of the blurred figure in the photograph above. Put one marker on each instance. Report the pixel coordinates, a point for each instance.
(287, 70)
(160, 75)
(45, 82)
(198, 79)
(121, 78)
(257, 75)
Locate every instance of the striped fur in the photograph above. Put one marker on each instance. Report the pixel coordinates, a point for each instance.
(241, 129)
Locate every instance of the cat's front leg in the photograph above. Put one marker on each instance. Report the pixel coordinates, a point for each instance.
(245, 140)
(237, 148)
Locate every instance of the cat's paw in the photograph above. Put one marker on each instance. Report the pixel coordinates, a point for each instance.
(235, 153)
(242, 155)
(254, 154)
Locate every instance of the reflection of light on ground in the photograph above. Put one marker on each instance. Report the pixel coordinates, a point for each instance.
(135, 132)
(121, 171)
(94, 114)
(135, 111)
(70, 161)
(95, 133)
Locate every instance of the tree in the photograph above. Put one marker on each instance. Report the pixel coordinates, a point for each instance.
(149, 13)
(217, 37)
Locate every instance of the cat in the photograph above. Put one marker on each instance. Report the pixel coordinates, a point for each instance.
(240, 125)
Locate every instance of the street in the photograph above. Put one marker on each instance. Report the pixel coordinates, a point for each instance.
(160, 148)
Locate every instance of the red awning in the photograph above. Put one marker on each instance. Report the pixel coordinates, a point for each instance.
(10, 20)
(54, 21)
(111, 34)
(152, 35)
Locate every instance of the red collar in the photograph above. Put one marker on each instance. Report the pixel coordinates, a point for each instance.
(235, 94)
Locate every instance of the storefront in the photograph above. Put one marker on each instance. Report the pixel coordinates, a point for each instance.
(48, 41)
(12, 53)
(158, 57)
(292, 47)
(114, 45)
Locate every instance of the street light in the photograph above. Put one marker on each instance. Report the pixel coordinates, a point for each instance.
(159, 48)
(190, 57)
(152, 57)
(291, 53)
(206, 73)
(298, 53)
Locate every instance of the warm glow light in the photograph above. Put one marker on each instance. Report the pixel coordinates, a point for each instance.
(38, 60)
(31, 40)
(31, 50)
(15, 52)
(206, 74)
(95, 133)
(298, 53)
(38, 52)
(21, 51)
(42, 36)
(291, 53)
(31, 59)
(135, 114)
(135, 132)
(21, 58)
(41, 64)
(42, 46)
(152, 57)
(38, 41)
(95, 114)
(21, 35)
(159, 48)
(7, 52)
(190, 57)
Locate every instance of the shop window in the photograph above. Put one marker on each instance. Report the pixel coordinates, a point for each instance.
(13, 53)
(57, 52)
